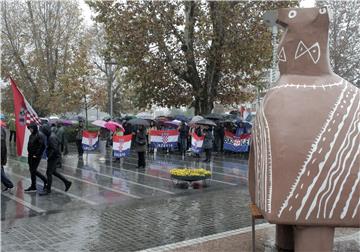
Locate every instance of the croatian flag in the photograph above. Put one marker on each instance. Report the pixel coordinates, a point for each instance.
(164, 138)
(121, 145)
(236, 144)
(197, 143)
(24, 116)
(90, 140)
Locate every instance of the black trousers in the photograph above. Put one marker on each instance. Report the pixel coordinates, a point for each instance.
(141, 159)
(79, 147)
(12, 133)
(208, 154)
(51, 170)
(221, 143)
(33, 165)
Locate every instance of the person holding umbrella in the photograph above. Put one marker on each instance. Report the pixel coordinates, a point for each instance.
(183, 135)
(140, 145)
(208, 143)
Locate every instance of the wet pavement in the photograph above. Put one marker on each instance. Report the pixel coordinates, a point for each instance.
(113, 206)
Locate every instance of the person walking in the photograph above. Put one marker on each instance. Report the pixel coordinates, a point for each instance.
(104, 135)
(208, 143)
(183, 135)
(140, 145)
(78, 138)
(53, 154)
(12, 128)
(4, 179)
(36, 147)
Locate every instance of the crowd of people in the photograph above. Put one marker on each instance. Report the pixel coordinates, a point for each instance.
(51, 141)
(213, 138)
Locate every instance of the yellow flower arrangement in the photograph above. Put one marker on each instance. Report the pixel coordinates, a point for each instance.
(184, 172)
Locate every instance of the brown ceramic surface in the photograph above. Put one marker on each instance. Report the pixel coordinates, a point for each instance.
(304, 167)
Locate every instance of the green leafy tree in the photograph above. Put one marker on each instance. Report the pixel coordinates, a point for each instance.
(188, 52)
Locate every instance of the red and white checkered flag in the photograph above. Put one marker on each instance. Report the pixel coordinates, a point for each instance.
(24, 115)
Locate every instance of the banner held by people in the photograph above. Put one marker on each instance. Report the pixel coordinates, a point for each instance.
(24, 116)
(121, 145)
(197, 143)
(237, 143)
(164, 138)
(90, 140)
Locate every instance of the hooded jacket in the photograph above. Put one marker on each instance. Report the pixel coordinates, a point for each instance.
(36, 144)
(53, 146)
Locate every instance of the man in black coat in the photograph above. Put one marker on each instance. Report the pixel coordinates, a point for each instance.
(4, 179)
(36, 147)
(53, 154)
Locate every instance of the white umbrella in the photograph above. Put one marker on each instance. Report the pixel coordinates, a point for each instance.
(99, 123)
(195, 119)
(145, 115)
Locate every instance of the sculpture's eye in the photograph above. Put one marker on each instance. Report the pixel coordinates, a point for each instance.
(292, 13)
(322, 10)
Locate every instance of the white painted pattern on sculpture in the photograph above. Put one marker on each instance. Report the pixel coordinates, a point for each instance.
(323, 162)
(346, 208)
(311, 152)
(342, 150)
(331, 173)
(342, 185)
(323, 86)
(302, 49)
(282, 55)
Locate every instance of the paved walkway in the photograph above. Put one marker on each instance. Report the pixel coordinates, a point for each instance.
(116, 207)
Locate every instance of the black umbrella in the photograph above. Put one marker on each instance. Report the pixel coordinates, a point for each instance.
(205, 122)
(214, 116)
(139, 121)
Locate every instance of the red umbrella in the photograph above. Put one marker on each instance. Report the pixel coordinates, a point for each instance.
(111, 125)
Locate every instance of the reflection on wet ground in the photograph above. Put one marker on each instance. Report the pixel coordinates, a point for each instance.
(114, 206)
(98, 183)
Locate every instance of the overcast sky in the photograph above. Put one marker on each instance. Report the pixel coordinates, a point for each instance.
(87, 12)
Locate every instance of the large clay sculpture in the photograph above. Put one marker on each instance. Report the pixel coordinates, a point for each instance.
(304, 168)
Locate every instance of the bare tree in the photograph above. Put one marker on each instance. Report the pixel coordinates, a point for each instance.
(40, 43)
(344, 38)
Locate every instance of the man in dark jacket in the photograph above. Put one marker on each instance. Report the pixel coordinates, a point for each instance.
(183, 135)
(208, 144)
(36, 147)
(53, 154)
(4, 179)
(140, 146)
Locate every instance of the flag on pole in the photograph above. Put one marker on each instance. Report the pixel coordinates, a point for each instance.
(121, 145)
(197, 143)
(164, 138)
(24, 116)
(236, 144)
(90, 140)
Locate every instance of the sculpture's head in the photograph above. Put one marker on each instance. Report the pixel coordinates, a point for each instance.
(303, 48)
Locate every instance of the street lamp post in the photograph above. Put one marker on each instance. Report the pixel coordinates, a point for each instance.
(110, 79)
(270, 18)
